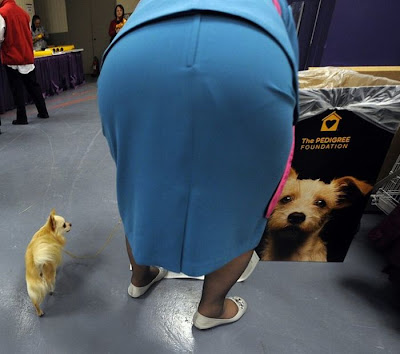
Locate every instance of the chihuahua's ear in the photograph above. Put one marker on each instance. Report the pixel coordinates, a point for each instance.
(293, 174)
(51, 220)
(349, 190)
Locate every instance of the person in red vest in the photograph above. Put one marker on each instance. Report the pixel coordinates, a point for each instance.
(16, 49)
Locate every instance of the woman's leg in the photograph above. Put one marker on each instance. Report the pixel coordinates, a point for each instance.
(141, 275)
(217, 285)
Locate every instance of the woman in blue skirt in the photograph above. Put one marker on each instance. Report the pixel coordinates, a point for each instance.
(200, 132)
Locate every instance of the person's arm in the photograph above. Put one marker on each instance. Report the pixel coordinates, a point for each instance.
(287, 17)
(111, 30)
(2, 29)
(35, 38)
(45, 34)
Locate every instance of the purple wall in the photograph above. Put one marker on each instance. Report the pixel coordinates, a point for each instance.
(363, 32)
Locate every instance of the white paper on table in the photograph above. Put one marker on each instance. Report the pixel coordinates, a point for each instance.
(247, 272)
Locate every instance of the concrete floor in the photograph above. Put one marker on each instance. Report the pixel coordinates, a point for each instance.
(63, 162)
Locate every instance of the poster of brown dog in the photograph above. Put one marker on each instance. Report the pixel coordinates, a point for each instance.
(305, 206)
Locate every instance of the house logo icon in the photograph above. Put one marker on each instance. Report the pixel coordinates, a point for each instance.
(331, 123)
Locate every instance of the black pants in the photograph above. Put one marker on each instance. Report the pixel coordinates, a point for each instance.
(17, 82)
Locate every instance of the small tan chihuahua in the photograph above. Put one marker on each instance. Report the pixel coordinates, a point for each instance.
(43, 256)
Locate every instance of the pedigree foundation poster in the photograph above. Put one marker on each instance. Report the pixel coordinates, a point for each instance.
(338, 156)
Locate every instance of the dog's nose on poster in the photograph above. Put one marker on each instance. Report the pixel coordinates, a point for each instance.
(296, 218)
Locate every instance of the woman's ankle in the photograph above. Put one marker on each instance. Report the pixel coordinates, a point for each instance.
(145, 277)
(226, 310)
(211, 310)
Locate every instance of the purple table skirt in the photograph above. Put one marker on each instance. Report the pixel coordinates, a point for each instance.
(55, 74)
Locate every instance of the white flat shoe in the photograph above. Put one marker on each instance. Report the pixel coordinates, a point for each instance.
(203, 322)
(137, 291)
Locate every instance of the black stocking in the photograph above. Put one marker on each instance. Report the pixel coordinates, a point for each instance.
(217, 285)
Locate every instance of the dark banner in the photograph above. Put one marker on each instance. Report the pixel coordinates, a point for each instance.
(337, 159)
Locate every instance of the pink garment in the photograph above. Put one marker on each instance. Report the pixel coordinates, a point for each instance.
(278, 6)
(276, 196)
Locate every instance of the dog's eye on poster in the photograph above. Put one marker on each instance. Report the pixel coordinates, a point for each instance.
(337, 159)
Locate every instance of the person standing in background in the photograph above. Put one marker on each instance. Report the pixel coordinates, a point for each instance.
(17, 56)
(118, 22)
(39, 34)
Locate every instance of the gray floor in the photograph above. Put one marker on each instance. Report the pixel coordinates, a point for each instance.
(63, 162)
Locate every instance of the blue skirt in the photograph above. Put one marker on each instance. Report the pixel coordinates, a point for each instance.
(197, 111)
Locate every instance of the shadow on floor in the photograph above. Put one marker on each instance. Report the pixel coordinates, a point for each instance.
(382, 298)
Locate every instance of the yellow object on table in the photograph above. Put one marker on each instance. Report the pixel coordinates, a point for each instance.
(54, 50)
(63, 48)
(43, 53)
